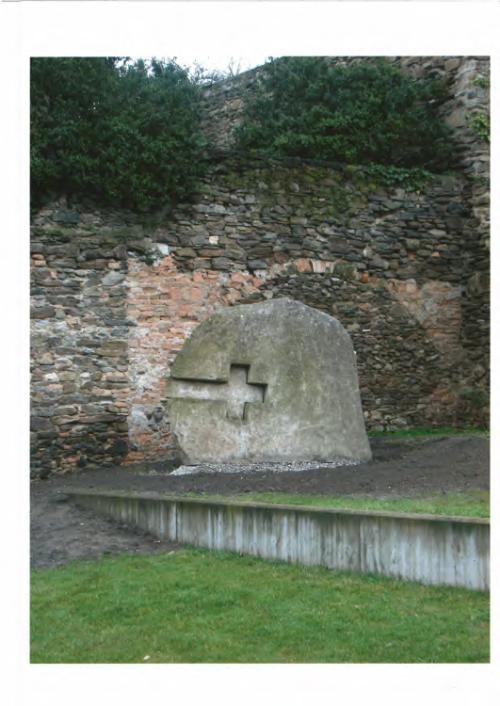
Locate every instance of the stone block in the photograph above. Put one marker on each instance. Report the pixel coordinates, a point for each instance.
(66, 217)
(221, 263)
(270, 381)
(43, 312)
(41, 424)
(113, 278)
(257, 265)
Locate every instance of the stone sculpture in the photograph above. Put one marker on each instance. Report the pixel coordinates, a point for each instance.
(273, 381)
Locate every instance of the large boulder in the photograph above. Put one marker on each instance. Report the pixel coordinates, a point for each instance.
(273, 381)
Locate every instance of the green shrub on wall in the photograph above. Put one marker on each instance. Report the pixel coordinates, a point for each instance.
(364, 113)
(122, 133)
(480, 124)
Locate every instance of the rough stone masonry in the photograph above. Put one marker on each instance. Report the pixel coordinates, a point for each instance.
(273, 381)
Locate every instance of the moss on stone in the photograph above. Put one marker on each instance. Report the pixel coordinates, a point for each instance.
(345, 271)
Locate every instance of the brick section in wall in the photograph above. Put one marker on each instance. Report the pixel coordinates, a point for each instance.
(165, 306)
(437, 308)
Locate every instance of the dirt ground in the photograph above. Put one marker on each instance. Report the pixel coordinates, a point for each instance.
(61, 532)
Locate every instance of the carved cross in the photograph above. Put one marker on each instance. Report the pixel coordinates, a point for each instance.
(237, 392)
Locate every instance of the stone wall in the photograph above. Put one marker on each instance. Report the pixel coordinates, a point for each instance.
(113, 299)
(79, 339)
(468, 79)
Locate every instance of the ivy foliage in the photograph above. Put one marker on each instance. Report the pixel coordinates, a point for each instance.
(390, 176)
(363, 113)
(480, 123)
(122, 133)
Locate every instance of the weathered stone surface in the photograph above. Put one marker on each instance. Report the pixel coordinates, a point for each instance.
(268, 381)
(67, 217)
(112, 278)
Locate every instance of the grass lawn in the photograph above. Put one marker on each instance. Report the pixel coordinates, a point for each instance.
(419, 432)
(471, 504)
(192, 605)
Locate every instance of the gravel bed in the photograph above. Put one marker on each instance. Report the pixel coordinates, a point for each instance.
(285, 467)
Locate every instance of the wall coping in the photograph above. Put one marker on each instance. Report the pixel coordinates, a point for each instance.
(155, 495)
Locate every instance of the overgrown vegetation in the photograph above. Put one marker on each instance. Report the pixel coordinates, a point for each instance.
(363, 113)
(389, 175)
(120, 132)
(480, 124)
(128, 134)
(481, 82)
(199, 606)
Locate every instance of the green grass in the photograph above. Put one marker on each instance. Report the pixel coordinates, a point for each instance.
(420, 432)
(200, 606)
(467, 504)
